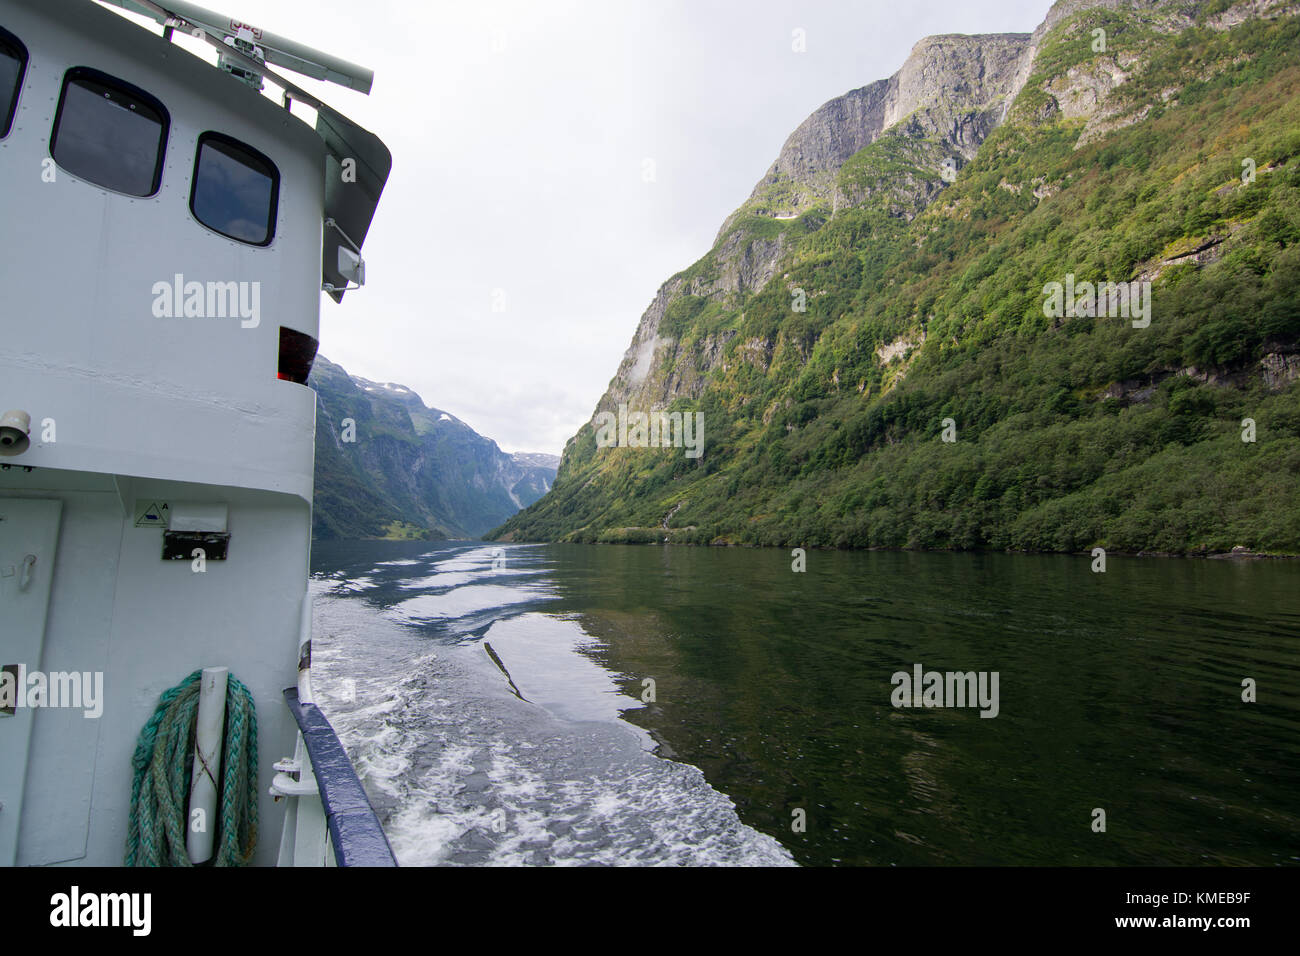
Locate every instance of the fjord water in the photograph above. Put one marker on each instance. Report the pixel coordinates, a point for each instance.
(493, 700)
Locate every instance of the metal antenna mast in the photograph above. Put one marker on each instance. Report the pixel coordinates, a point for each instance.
(232, 38)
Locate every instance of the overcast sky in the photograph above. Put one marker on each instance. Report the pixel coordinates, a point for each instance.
(520, 131)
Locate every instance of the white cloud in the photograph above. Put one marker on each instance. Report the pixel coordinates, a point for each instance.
(518, 131)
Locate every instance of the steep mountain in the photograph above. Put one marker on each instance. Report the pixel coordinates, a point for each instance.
(875, 343)
(388, 466)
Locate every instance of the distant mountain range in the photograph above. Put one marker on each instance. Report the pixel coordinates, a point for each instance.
(884, 346)
(389, 466)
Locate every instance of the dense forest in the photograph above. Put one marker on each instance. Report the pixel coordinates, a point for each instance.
(925, 302)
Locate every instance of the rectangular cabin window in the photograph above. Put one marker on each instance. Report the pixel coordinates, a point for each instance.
(297, 353)
(110, 133)
(236, 190)
(13, 63)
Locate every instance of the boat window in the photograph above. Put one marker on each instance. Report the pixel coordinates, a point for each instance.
(297, 353)
(110, 133)
(235, 190)
(13, 62)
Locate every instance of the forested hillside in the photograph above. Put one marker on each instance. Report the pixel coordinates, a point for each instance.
(855, 303)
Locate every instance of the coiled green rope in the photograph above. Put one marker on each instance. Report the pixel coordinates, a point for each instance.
(163, 762)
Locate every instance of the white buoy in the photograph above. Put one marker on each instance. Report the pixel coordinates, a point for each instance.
(201, 824)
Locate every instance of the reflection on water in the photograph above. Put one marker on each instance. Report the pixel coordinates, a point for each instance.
(514, 757)
(1120, 691)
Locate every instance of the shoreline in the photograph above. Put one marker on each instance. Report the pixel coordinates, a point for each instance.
(1236, 554)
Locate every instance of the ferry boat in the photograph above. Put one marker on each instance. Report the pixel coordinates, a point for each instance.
(171, 227)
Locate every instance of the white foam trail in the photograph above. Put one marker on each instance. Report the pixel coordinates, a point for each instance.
(464, 773)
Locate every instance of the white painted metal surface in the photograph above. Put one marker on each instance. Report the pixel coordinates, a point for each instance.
(208, 735)
(188, 399)
(304, 840)
(28, 537)
(280, 51)
(126, 406)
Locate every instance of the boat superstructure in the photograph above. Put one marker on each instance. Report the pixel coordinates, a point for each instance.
(170, 229)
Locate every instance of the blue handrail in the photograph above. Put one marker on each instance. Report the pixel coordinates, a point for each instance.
(354, 828)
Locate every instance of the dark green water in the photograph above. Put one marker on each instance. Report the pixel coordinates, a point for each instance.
(1120, 691)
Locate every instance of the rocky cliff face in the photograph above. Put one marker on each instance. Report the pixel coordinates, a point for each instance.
(883, 277)
(951, 88)
(386, 464)
(950, 94)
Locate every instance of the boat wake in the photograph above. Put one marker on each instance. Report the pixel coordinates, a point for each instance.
(513, 757)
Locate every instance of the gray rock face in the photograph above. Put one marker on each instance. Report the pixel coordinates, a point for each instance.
(947, 98)
(953, 88)
(948, 79)
(400, 460)
(815, 151)
(1280, 369)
